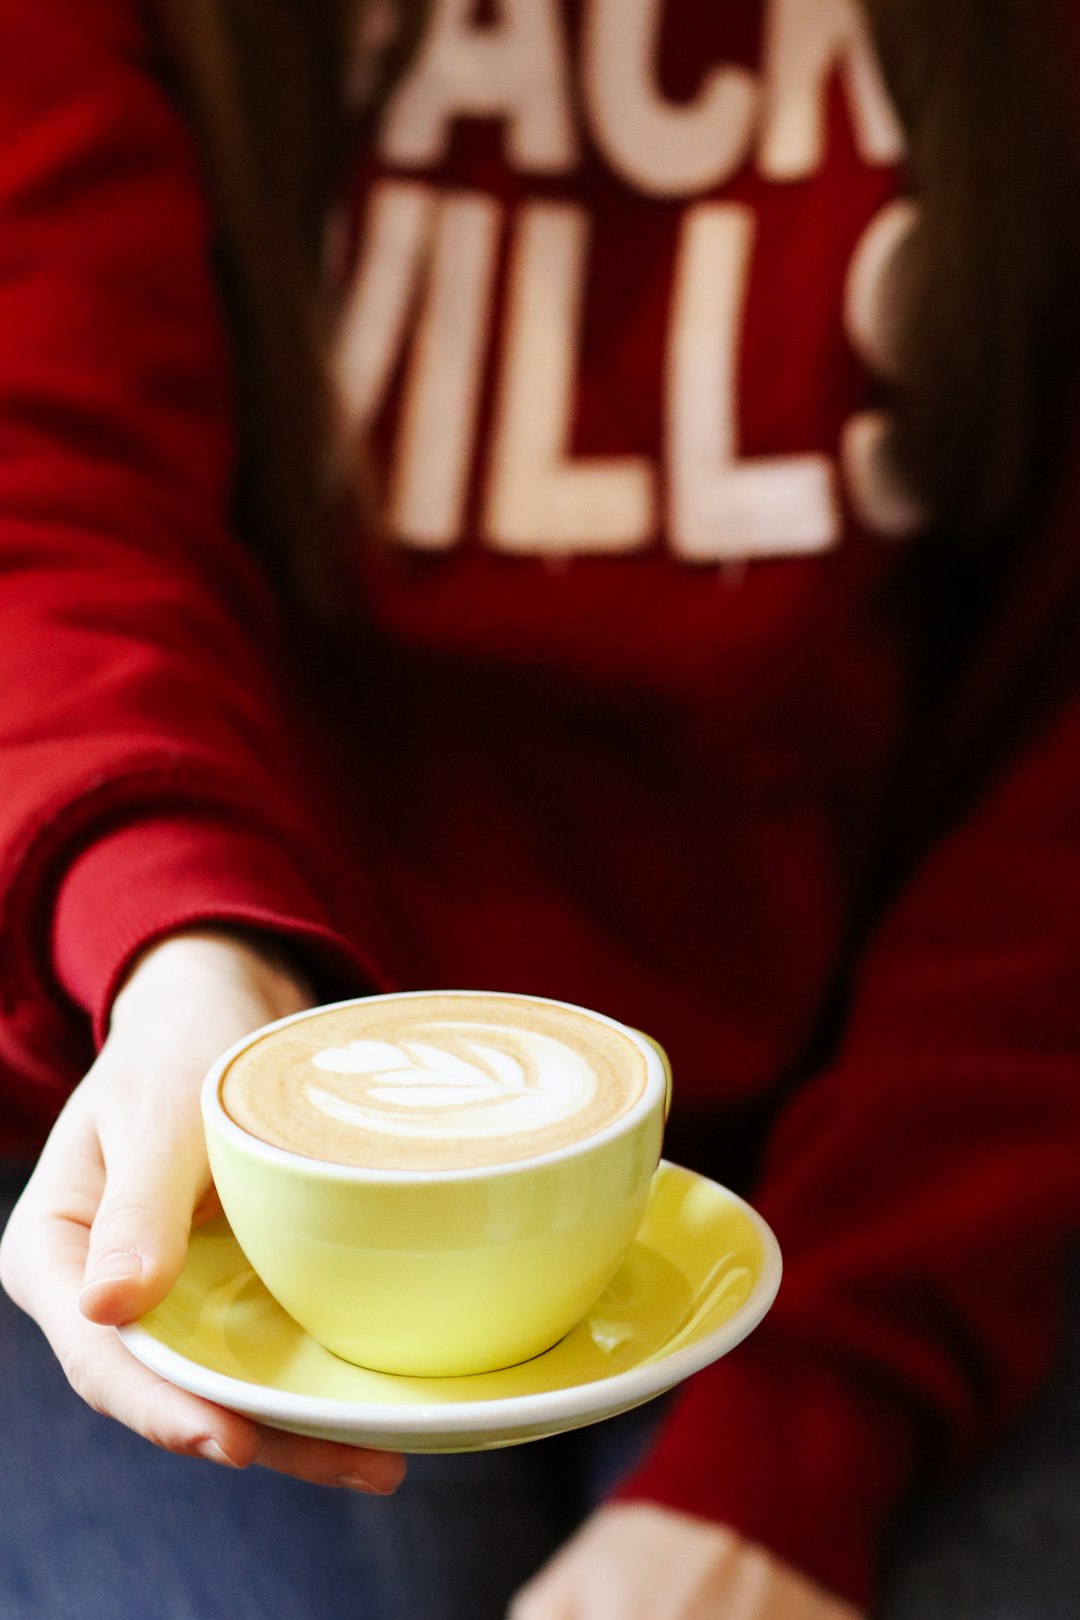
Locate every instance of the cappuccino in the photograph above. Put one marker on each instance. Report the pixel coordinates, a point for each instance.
(434, 1081)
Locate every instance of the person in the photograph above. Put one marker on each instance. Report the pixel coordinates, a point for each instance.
(569, 497)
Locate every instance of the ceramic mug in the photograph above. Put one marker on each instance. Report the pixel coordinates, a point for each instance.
(447, 1271)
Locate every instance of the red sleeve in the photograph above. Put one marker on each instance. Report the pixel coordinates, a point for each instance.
(925, 1189)
(144, 776)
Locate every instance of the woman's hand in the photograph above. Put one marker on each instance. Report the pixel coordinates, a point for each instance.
(100, 1232)
(637, 1562)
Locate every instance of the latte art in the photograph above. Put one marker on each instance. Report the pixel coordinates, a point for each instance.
(435, 1080)
(463, 1079)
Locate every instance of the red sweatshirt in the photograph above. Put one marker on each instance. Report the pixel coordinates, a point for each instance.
(654, 700)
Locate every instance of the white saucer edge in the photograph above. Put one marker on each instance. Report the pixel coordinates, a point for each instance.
(561, 1408)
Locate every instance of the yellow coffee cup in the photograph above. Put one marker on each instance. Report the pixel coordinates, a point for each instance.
(437, 1272)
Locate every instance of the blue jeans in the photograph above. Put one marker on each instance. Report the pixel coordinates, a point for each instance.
(97, 1525)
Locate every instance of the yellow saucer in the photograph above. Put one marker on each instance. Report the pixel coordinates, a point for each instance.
(700, 1276)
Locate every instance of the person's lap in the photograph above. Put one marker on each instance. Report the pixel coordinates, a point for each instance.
(1005, 1543)
(97, 1525)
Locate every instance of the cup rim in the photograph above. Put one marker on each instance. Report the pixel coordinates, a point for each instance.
(657, 1088)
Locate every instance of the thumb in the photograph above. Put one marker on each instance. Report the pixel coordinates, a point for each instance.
(156, 1173)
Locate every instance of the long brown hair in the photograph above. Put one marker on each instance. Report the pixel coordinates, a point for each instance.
(264, 83)
(991, 338)
(987, 94)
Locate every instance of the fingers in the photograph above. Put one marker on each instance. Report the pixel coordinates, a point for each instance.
(327, 1462)
(110, 1380)
(187, 1000)
(42, 1267)
(100, 1233)
(114, 1188)
(156, 1174)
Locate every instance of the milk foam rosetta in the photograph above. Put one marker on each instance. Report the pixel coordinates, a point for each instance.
(440, 1081)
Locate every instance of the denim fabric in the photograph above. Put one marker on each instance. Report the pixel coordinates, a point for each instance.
(97, 1525)
(1004, 1544)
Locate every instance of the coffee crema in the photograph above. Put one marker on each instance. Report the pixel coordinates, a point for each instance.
(439, 1081)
